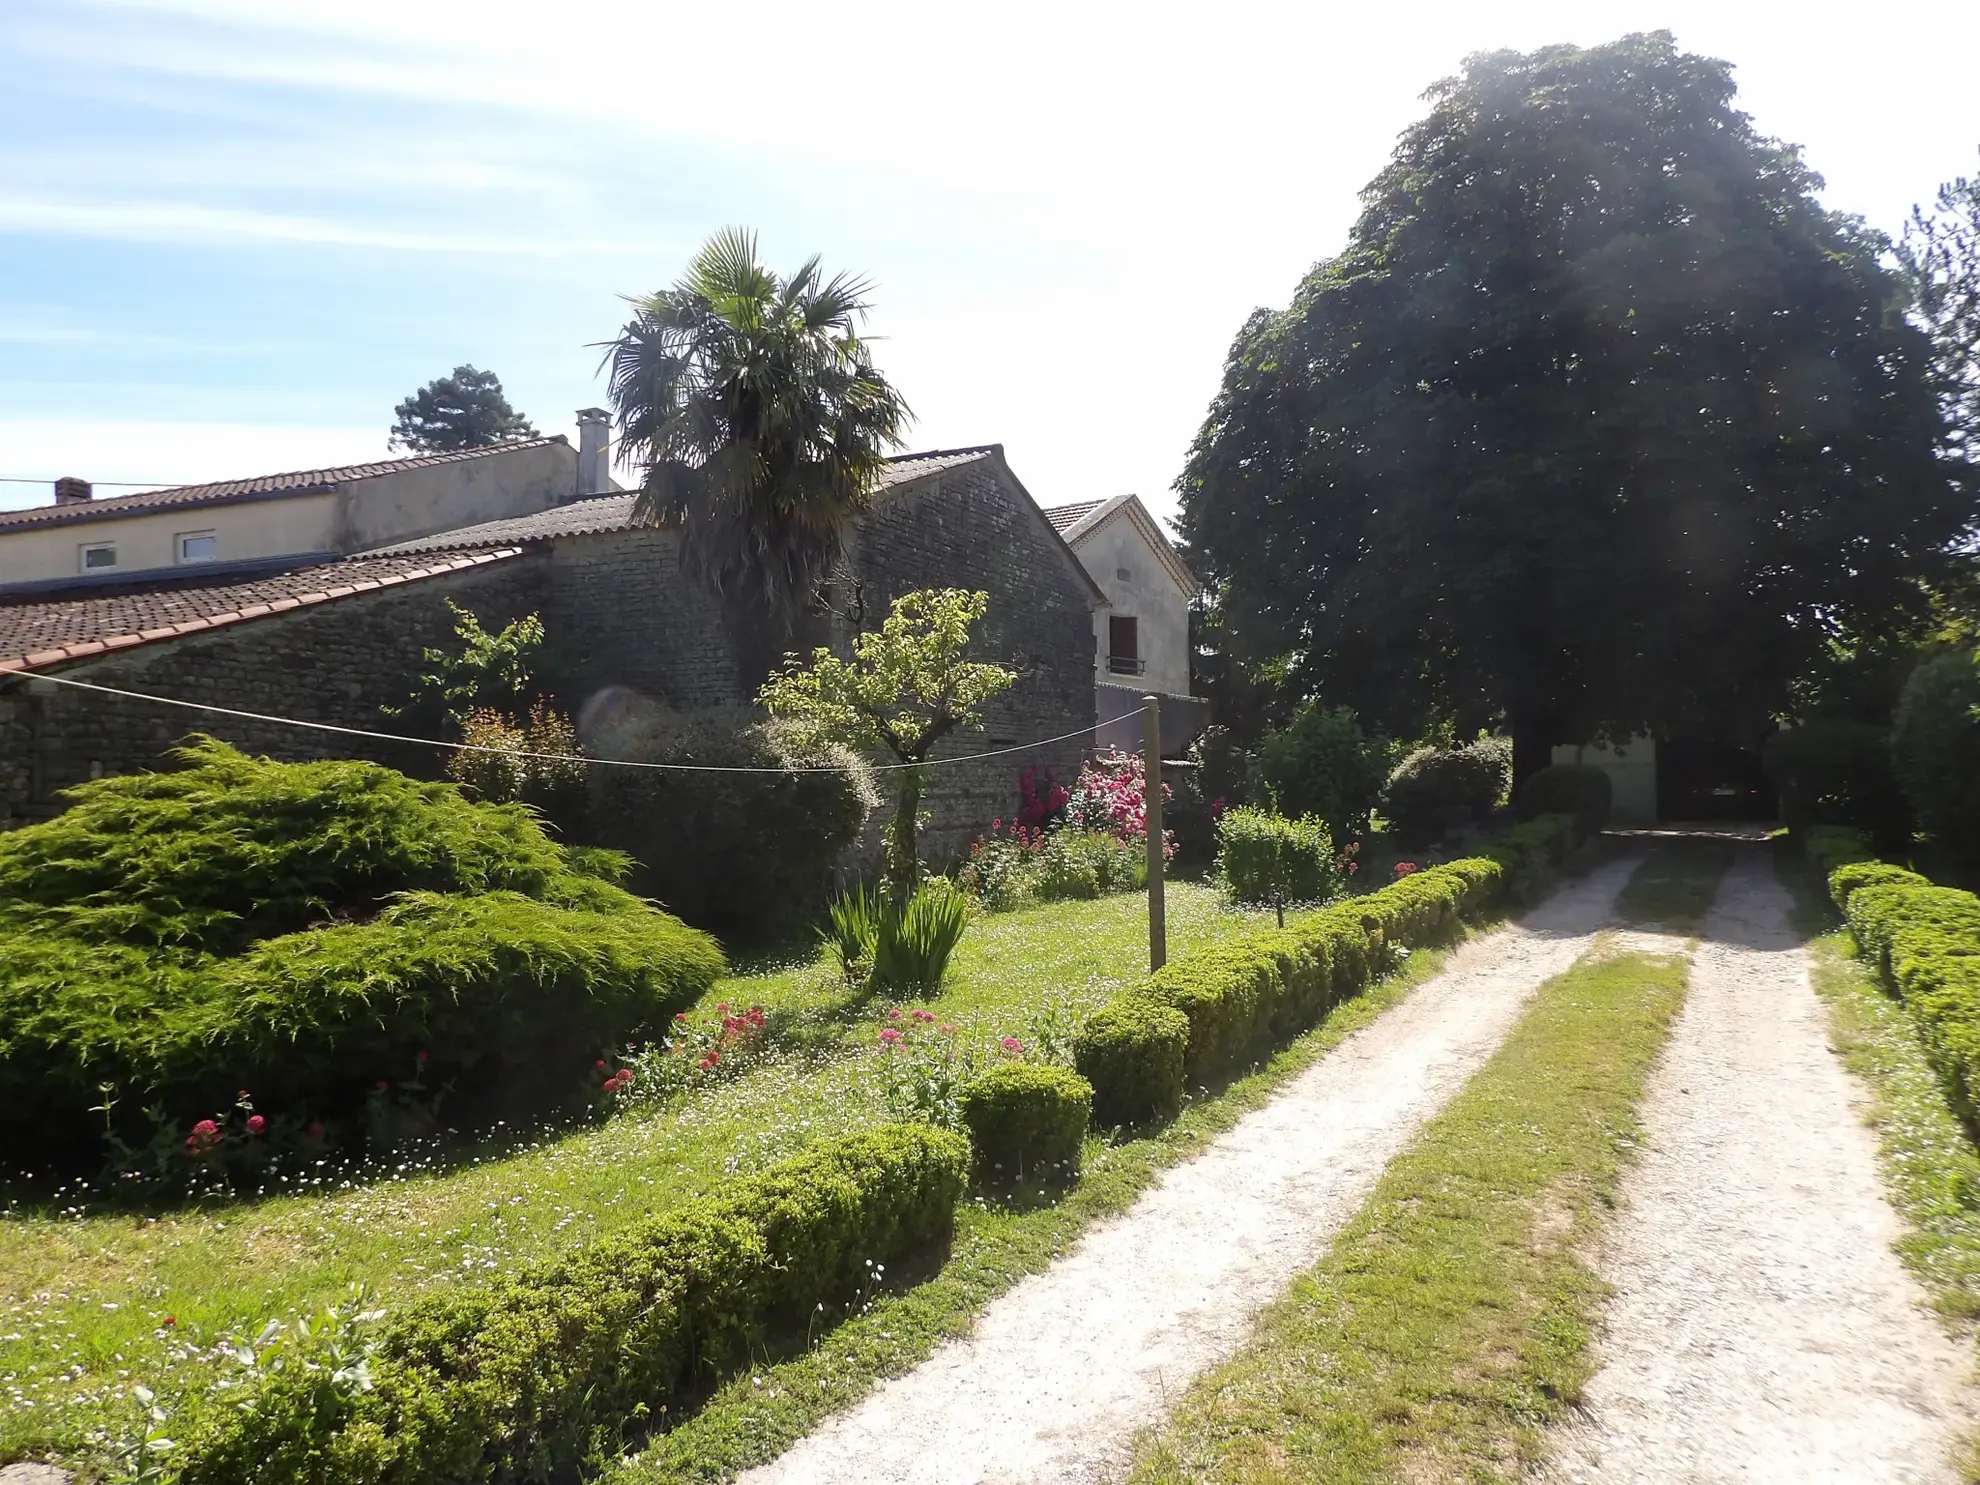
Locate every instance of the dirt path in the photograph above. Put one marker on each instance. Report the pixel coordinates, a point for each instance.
(1763, 1329)
(1064, 1368)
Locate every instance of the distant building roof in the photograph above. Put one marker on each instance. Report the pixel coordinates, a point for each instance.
(1076, 522)
(614, 512)
(1065, 517)
(37, 634)
(257, 487)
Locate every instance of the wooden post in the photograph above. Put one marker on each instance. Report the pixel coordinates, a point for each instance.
(1151, 787)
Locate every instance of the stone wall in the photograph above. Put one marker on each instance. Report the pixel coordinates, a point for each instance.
(621, 612)
(340, 662)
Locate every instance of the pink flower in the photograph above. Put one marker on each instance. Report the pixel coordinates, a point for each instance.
(599, 1065)
(626, 1076)
(256, 1124)
(1405, 868)
(889, 1036)
(380, 1086)
(722, 1009)
(709, 1059)
(420, 1058)
(1011, 1046)
(894, 1014)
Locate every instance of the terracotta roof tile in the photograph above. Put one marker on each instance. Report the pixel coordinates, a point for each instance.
(37, 634)
(261, 486)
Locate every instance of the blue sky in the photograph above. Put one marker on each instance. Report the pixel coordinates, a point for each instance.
(234, 232)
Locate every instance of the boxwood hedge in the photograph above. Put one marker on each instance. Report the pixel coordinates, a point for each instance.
(1026, 1119)
(1925, 941)
(1206, 1014)
(543, 1375)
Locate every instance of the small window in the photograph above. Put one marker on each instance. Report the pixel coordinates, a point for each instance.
(1125, 574)
(198, 546)
(99, 556)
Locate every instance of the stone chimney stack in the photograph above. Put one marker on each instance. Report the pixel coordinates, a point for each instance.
(71, 491)
(594, 475)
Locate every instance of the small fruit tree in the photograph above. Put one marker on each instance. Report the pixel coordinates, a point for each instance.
(905, 688)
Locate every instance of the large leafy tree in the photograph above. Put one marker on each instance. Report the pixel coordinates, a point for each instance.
(464, 410)
(751, 406)
(1940, 256)
(1600, 423)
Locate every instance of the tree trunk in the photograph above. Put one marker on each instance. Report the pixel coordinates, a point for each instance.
(903, 859)
(1533, 746)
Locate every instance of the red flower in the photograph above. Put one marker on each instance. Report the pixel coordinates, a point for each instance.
(420, 1058)
(380, 1086)
(723, 1008)
(709, 1060)
(626, 1076)
(170, 1320)
(315, 1130)
(680, 1015)
(1011, 1046)
(256, 1124)
(756, 1015)
(889, 1037)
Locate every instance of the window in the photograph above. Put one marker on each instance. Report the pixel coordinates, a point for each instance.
(1124, 574)
(99, 556)
(1124, 646)
(198, 546)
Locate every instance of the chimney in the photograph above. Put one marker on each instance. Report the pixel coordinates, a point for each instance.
(71, 491)
(594, 472)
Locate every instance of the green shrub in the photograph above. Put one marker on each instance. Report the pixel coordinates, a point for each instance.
(1323, 764)
(1845, 879)
(1925, 941)
(1578, 789)
(1435, 788)
(1026, 1119)
(1230, 1001)
(177, 992)
(1836, 772)
(1131, 1052)
(229, 849)
(1828, 847)
(1218, 781)
(1935, 747)
(742, 854)
(902, 951)
(1267, 859)
(539, 1376)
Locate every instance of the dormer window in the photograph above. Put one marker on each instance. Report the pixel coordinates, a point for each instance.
(198, 546)
(98, 556)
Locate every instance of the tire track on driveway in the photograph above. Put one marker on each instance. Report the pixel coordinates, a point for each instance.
(1064, 1368)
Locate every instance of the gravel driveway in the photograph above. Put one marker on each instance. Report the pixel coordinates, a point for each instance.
(1065, 1367)
(1763, 1329)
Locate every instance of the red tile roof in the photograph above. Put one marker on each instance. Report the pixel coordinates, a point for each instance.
(38, 634)
(257, 487)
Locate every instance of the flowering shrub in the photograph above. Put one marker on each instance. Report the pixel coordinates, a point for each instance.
(1406, 868)
(1043, 799)
(696, 1050)
(1112, 797)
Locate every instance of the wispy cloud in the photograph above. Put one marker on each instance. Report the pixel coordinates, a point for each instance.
(217, 226)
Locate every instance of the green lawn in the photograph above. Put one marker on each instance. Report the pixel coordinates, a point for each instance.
(1450, 1320)
(85, 1296)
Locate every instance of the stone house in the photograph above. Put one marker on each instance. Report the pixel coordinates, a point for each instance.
(286, 520)
(1141, 642)
(335, 641)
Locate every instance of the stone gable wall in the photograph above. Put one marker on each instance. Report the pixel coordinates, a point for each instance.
(975, 528)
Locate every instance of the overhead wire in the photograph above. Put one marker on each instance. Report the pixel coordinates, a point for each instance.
(465, 747)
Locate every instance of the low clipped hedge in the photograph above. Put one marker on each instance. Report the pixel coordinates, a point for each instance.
(1131, 1053)
(1578, 789)
(305, 932)
(538, 1376)
(1925, 941)
(1233, 999)
(1026, 1119)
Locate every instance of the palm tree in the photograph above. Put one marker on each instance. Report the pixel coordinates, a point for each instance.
(760, 426)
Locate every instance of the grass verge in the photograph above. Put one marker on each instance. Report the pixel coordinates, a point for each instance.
(93, 1301)
(1931, 1168)
(757, 1416)
(1450, 1320)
